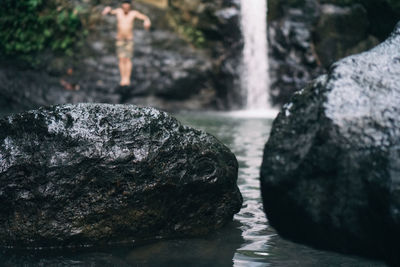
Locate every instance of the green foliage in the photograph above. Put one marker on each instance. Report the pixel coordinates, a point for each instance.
(187, 31)
(33, 26)
(193, 35)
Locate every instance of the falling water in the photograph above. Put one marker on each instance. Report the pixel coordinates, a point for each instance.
(255, 80)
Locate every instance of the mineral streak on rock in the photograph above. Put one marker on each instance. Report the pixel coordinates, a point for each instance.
(73, 175)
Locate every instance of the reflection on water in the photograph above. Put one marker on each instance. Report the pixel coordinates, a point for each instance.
(217, 249)
(247, 241)
(247, 139)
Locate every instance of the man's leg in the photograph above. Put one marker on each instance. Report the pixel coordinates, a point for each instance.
(128, 70)
(128, 64)
(121, 65)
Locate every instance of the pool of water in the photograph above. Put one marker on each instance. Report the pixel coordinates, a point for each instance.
(247, 241)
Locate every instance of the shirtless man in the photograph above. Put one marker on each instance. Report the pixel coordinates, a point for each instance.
(124, 43)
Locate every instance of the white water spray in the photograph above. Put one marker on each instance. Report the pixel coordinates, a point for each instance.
(255, 78)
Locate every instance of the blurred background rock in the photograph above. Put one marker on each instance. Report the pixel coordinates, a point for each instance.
(57, 51)
(307, 36)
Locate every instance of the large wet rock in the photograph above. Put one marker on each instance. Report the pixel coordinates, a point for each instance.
(331, 168)
(96, 173)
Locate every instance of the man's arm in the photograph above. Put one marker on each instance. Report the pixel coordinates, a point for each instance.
(109, 10)
(146, 19)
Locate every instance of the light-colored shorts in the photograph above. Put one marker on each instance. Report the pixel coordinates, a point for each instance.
(124, 48)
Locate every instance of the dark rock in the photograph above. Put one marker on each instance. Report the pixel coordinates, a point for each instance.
(217, 25)
(167, 67)
(292, 57)
(94, 173)
(24, 89)
(338, 30)
(307, 36)
(331, 169)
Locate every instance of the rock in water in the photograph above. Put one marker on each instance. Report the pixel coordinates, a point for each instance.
(74, 175)
(331, 169)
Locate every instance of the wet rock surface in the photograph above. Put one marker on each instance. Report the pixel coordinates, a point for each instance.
(73, 175)
(330, 172)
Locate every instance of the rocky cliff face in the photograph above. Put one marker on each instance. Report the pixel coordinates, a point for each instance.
(307, 36)
(214, 26)
(330, 171)
(188, 60)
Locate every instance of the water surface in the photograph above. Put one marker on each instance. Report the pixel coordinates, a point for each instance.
(260, 246)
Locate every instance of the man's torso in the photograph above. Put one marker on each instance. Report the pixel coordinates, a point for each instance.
(125, 24)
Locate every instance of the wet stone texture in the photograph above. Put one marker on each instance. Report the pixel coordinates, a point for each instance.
(331, 170)
(74, 175)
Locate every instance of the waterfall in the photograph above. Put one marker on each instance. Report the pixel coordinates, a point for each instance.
(255, 78)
